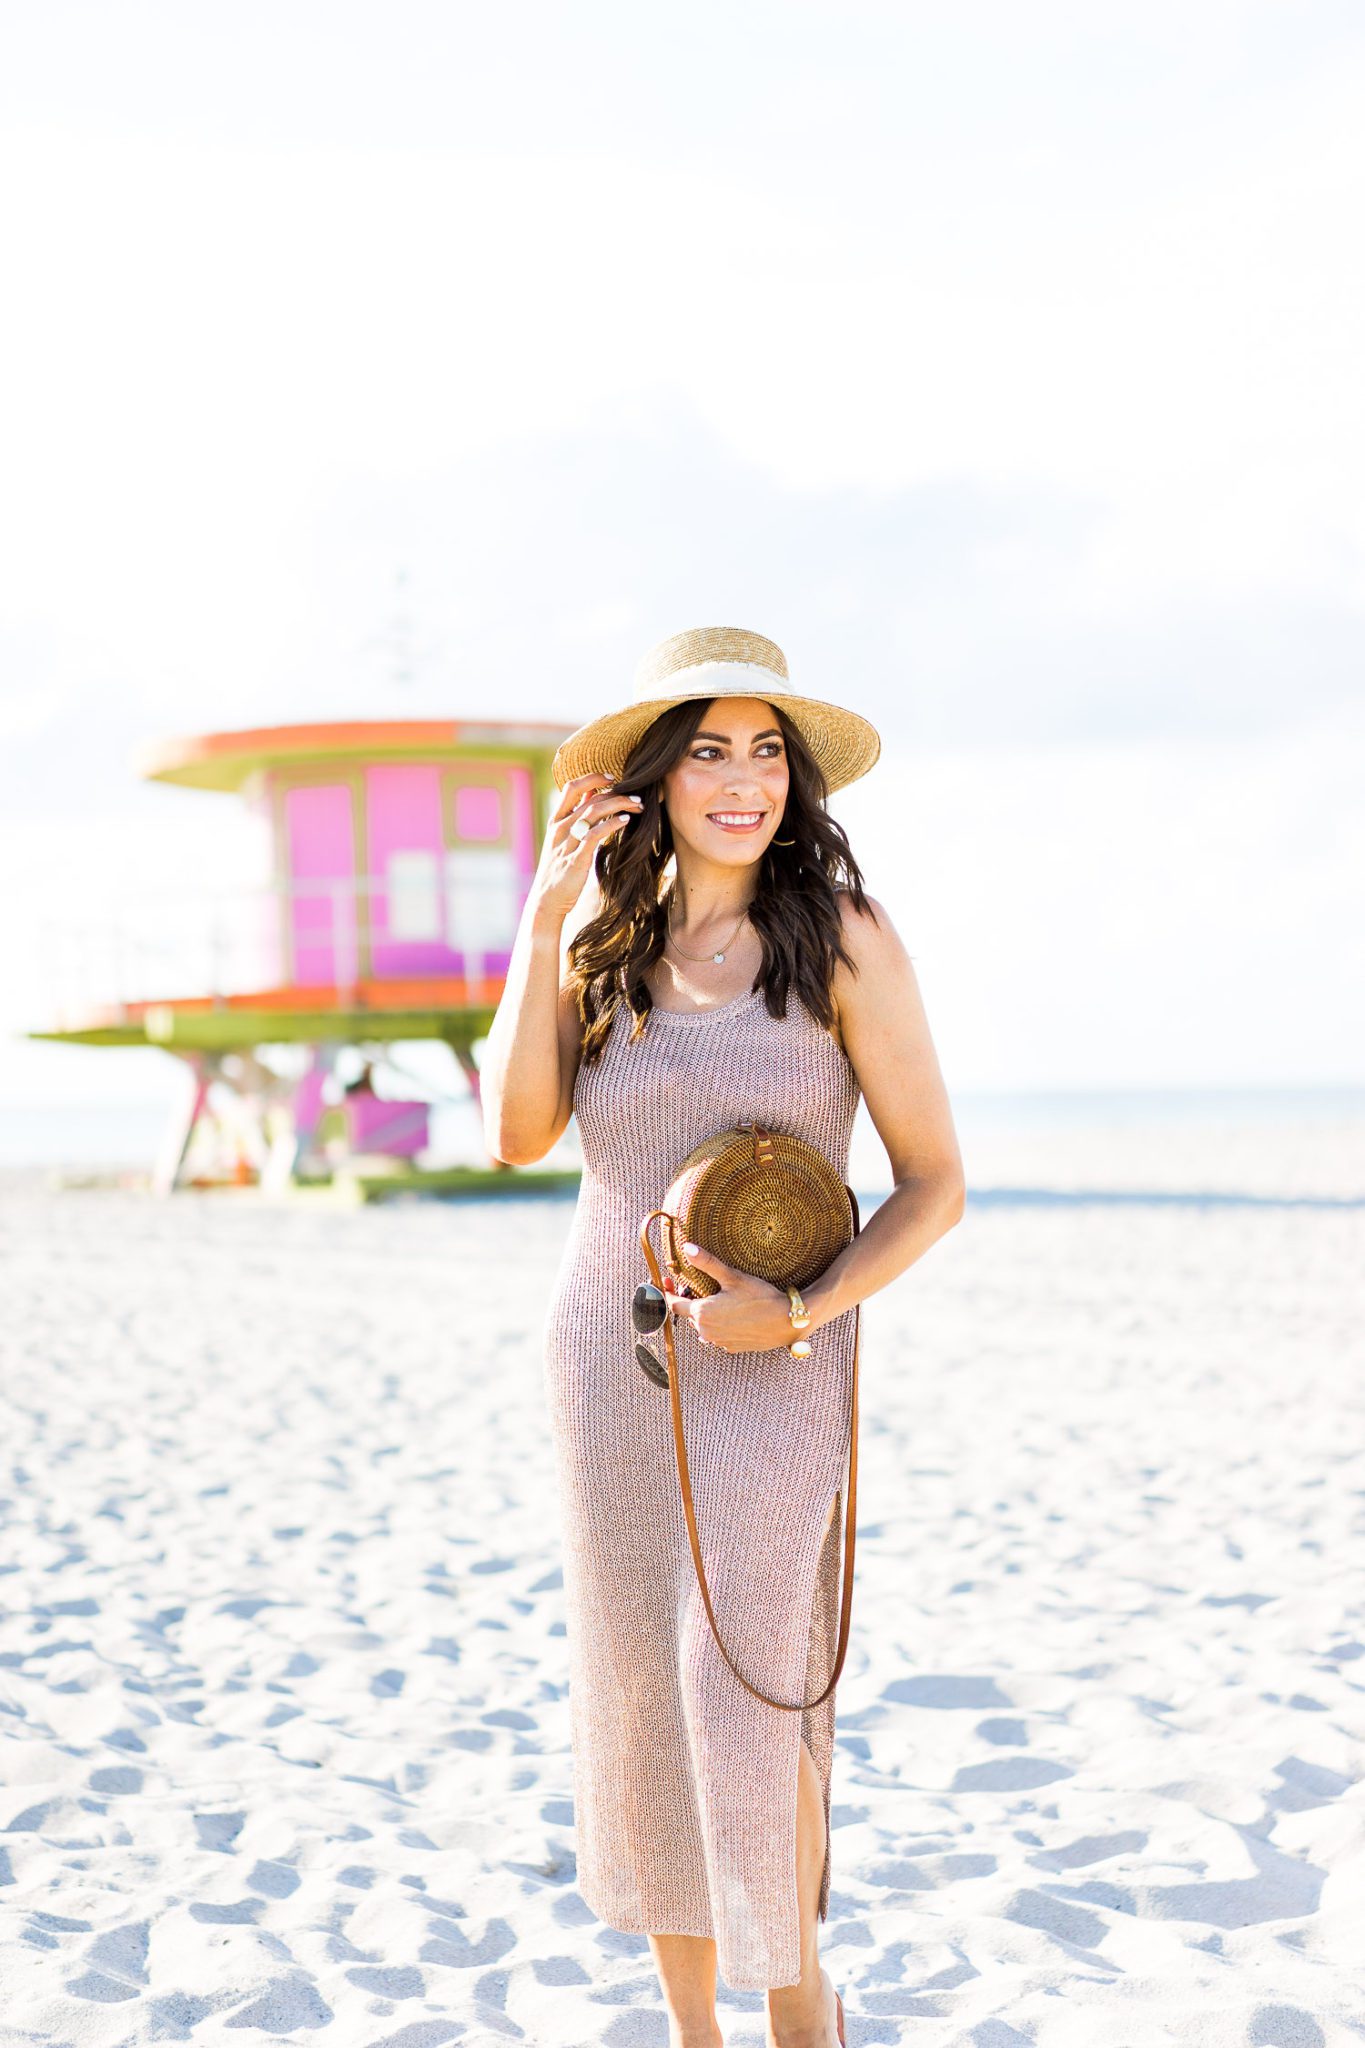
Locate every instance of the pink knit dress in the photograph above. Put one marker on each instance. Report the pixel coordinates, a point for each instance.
(685, 1785)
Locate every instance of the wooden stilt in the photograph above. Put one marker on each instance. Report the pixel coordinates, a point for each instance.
(202, 1071)
(290, 1147)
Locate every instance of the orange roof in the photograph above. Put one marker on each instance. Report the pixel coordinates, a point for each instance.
(224, 760)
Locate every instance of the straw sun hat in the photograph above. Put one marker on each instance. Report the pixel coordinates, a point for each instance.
(719, 661)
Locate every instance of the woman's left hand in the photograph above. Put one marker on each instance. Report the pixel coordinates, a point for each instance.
(745, 1314)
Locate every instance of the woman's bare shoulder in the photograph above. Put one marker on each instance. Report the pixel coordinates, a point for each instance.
(868, 932)
(876, 962)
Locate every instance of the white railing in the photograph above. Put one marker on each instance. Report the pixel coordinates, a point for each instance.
(221, 942)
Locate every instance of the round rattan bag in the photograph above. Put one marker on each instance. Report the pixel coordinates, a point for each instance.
(762, 1200)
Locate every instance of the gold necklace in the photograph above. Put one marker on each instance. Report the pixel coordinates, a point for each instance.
(717, 957)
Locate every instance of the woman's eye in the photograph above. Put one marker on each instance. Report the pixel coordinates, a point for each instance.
(768, 746)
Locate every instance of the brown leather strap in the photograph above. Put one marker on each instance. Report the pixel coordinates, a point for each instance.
(685, 1481)
(764, 1149)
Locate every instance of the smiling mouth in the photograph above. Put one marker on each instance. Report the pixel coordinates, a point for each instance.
(737, 821)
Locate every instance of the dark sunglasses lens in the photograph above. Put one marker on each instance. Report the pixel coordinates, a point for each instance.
(648, 1308)
(651, 1366)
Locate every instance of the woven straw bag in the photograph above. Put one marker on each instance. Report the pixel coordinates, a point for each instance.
(772, 1205)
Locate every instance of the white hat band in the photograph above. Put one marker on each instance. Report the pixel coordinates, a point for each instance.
(722, 679)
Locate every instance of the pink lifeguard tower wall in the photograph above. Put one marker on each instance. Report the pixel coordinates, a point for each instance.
(401, 1129)
(400, 869)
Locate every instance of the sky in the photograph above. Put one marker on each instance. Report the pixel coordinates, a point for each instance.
(1001, 364)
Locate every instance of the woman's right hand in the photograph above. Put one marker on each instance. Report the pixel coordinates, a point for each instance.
(566, 857)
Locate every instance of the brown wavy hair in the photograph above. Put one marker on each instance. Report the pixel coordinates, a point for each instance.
(795, 908)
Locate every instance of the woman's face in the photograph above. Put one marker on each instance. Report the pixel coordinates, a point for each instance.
(735, 768)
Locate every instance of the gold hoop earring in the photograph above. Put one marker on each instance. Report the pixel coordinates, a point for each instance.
(784, 842)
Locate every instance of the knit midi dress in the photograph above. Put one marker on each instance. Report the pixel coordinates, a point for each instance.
(685, 1785)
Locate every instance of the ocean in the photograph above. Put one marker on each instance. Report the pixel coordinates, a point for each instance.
(1276, 1145)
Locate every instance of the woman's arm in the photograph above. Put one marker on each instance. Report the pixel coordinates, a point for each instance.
(530, 1056)
(886, 1035)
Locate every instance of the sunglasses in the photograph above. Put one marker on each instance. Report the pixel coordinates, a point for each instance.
(649, 1306)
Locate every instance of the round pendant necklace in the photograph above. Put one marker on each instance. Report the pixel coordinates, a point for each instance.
(717, 957)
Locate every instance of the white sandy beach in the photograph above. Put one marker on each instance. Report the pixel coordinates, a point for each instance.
(282, 1656)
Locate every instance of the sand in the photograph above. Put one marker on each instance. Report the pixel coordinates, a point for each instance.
(282, 1657)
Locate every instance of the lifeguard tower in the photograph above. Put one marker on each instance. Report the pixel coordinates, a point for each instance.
(390, 862)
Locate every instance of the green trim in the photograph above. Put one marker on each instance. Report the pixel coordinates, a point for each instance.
(348, 1189)
(227, 772)
(112, 1034)
(233, 1030)
(453, 779)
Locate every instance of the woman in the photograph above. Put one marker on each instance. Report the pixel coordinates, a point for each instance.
(758, 983)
